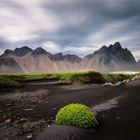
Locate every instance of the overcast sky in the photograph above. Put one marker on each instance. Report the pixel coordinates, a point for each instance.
(80, 26)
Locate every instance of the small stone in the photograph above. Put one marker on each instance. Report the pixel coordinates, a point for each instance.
(39, 115)
(103, 116)
(29, 109)
(49, 126)
(23, 119)
(9, 104)
(29, 136)
(9, 109)
(8, 121)
(118, 118)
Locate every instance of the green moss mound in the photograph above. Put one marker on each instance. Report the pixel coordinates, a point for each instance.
(76, 115)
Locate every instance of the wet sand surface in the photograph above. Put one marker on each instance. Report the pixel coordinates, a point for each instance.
(29, 112)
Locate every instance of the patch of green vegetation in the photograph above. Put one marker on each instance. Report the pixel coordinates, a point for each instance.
(7, 82)
(57, 75)
(76, 115)
(65, 78)
(117, 77)
(32, 77)
(17, 80)
(13, 77)
(82, 77)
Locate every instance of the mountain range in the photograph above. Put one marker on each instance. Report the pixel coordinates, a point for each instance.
(106, 59)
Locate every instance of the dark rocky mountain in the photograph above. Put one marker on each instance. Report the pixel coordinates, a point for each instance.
(57, 56)
(114, 50)
(122, 54)
(40, 51)
(69, 57)
(22, 51)
(73, 58)
(104, 55)
(9, 65)
(110, 58)
(7, 52)
(18, 51)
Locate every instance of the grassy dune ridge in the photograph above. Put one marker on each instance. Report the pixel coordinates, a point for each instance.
(16, 80)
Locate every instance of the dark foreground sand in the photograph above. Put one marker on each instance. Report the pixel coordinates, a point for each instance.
(29, 112)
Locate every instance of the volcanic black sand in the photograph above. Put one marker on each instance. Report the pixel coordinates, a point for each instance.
(29, 112)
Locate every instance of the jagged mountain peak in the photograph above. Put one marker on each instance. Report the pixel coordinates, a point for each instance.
(112, 57)
(40, 51)
(73, 58)
(117, 44)
(69, 57)
(103, 49)
(116, 47)
(106, 58)
(57, 56)
(23, 48)
(22, 51)
(7, 52)
(17, 51)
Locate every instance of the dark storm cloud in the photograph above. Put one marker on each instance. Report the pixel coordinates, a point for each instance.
(70, 24)
(98, 14)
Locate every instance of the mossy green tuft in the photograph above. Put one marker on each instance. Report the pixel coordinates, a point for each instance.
(76, 115)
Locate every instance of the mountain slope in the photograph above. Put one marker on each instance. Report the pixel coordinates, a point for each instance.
(18, 51)
(9, 65)
(22, 51)
(138, 63)
(110, 58)
(24, 59)
(122, 54)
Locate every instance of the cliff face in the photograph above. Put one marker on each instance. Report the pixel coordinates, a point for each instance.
(24, 59)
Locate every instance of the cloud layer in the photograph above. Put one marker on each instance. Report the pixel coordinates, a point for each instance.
(80, 26)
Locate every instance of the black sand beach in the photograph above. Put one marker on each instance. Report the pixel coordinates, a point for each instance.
(29, 112)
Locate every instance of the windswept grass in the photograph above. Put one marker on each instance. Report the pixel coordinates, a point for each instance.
(117, 77)
(35, 77)
(82, 77)
(32, 77)
(7, 83)
(64, 78)
(17, 80)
